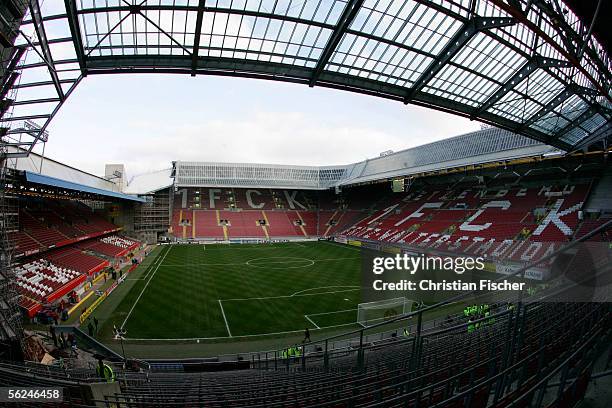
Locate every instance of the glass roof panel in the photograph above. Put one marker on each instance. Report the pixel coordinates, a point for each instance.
(489, 58)
(460, 84)
(377, 60)
(403, 48)
(406, 22)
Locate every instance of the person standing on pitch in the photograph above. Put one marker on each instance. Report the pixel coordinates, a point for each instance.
(306, 336)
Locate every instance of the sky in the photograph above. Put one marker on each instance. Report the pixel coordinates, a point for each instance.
(147, 121)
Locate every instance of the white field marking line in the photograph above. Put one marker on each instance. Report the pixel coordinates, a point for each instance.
(148, 270)
(325, 287)
(295, 259)
(145, 287)
(335, 259)
(288, 260)
(310, 320)
(240, 336)
(287, 296)
(264, 263)
(354, 310)
(252, 335)
(291, 260)
(262, 246)
(334, 312)
(208, 264)
(224, 318)
(157, 260)
(244, 248)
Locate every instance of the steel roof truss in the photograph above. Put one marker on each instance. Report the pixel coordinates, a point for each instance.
(526, 70)
(44, 46)
(454, 45)
(347, 17)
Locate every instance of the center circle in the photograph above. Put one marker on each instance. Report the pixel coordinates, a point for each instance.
(280, 262)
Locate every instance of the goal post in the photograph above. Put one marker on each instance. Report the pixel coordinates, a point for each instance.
(370, 313)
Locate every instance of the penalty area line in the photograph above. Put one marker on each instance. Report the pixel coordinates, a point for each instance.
(311, 321)
(224, 318)
(288, 296)
(353, 287)
(334, 312)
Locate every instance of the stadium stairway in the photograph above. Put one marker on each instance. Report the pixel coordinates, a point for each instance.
(324, 222)
(600, 198)
(193, 224)
(296, 218)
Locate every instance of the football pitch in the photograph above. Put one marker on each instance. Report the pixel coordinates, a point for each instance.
(232, 291)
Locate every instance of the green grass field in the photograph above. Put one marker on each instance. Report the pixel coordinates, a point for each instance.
(208, 300)
(218, 291)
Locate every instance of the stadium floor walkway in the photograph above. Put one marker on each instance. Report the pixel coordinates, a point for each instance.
(599, 393)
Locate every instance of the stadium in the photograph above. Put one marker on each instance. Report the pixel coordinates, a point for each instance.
(467, 271)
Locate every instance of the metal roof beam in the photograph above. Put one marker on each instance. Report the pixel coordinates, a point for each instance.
(42, 83)
(554, 12)
(43, 64)
(517, 5)
(571, 89)
(539, 31)
(31, 117)
(573, 41)
(601, 133)
(207, 9)
(42, 38)
(348, 15)
(35, 101)
(530, 66)
(454, 45)
(59, 105)
(14, 59)
(50, 17)
(5, 104)
(576, 122)
(161, 30)
(8, 84)
(196, 38)
(75, 30)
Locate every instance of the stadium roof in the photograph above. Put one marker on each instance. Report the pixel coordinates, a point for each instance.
(44, 165)
(68, 185)
(151, 182)
(483, 146)
(529, 66)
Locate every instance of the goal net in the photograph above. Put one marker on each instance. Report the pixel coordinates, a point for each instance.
(371, 313)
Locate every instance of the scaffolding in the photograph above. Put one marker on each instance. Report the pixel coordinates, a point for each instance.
(11, 331)
(15, 141)
(154, 214)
